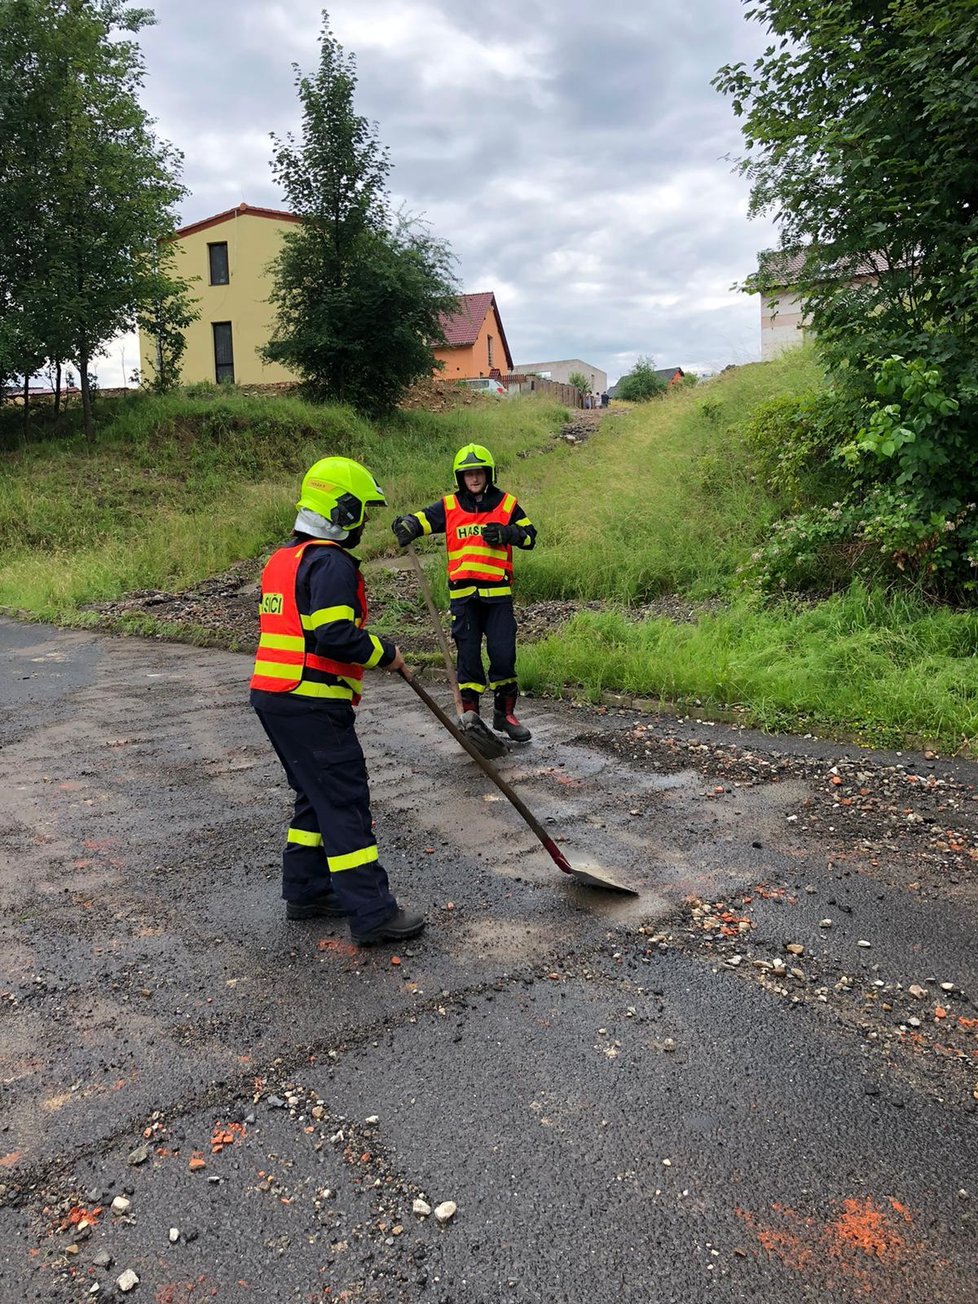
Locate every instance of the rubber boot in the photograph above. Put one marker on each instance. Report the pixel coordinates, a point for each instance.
(504, 719)
(326, 906)
(471, 702)
(401, 926)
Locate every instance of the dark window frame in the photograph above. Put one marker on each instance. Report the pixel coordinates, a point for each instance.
(223, 265)
(223, 352)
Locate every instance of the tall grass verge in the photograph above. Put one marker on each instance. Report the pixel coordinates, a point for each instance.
(881, 667)
(662, 499)
(177, 487)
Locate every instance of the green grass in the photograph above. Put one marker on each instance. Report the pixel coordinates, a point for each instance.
(176, 488)
(664, 498)
(882, 667)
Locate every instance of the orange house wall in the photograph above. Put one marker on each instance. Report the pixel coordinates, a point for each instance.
(470, 361)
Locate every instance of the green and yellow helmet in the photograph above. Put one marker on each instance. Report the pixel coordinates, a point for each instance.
(473, 457)
(340, 490)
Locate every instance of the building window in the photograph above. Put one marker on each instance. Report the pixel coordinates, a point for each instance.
(489, 343)
(217, 257)
(223, 353)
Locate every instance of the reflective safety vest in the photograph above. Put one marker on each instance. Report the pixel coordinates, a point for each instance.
(287, 661)
(470, 558)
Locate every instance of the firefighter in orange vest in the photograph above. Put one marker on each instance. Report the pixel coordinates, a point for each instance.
(308, 675)
(482, 525)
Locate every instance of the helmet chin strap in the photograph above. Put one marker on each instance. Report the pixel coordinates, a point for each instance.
(309, 522)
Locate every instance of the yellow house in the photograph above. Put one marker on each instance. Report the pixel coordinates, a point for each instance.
(226, 259)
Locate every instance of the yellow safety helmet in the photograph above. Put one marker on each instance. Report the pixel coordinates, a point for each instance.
(473, 457)
(340, 490)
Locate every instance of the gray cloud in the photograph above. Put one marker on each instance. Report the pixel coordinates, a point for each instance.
(573, 156)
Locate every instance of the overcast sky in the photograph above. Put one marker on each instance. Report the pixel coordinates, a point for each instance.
(574, 155)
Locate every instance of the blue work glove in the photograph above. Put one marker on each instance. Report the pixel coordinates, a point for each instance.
(406, 529)
(495, 534)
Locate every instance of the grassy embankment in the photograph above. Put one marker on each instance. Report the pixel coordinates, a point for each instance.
(663, 500)
(178, 488)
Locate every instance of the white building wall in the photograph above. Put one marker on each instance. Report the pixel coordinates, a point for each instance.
(783, 324)
(561, 371)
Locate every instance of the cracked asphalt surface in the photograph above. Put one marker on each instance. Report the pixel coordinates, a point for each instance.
(756, 1081)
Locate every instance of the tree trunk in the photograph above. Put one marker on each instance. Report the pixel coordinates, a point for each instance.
(27, 400)
(86, 392)
(57, 390)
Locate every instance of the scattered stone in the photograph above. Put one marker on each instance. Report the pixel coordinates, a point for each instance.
(864, 944)
(917, 991)
(947, 987)
(120, 1204)
(127, 1281)
(174, 1235)
(421, 1207)
(275, 1102)
(794, 948)
(446, 1211)
(139, 1155)
(196, 1164)
(825, 923)
(373, 1120)
(103, 1259)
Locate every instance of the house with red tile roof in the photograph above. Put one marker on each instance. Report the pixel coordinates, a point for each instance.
(475, 342)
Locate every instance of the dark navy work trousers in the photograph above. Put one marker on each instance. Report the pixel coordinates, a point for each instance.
(473, 620)
(330, 843)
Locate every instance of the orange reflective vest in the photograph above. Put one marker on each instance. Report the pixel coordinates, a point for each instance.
(287, 661)
(469, 557)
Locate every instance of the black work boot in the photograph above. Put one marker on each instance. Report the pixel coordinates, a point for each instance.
(504, 719)
(402, 925)
(325, 906)
(471, 702)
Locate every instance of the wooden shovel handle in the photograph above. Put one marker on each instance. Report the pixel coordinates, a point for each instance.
(554, 852)
(436, 621)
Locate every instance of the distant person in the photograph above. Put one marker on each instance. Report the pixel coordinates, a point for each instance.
(313, 649)
(605, 400)
(482, 525)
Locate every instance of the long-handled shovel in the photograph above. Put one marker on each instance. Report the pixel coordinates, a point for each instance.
(472, 725)
(591, 877)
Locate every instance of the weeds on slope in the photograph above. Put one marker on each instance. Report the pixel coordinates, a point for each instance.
(883, 667)
(179, 487)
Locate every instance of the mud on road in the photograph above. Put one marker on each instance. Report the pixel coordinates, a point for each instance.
(756, 1080)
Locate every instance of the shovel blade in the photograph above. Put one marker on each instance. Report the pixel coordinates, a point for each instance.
(594, 879)
(480, 736)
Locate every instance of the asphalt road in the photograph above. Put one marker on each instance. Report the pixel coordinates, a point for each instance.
(644, 1099)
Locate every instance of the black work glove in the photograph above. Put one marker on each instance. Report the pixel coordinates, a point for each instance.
(406, 529)
(495, 534)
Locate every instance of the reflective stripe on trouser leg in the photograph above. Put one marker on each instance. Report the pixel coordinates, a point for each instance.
(305, 874)
(324, 762)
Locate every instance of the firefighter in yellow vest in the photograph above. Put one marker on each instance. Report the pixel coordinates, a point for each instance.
(313, 649)
(482, 525)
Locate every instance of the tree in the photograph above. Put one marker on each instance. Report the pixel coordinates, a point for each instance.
(859, 134)
(580, 382)
(88, 190)
(164, 320)
(359, 291)
(641, 383)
